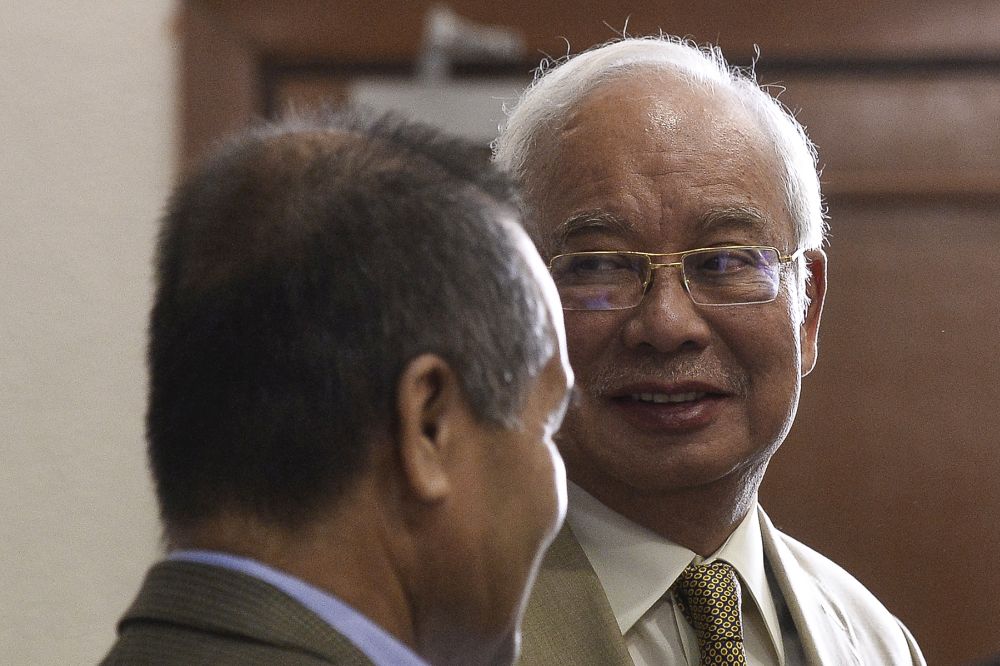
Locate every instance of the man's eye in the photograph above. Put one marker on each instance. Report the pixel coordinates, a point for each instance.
(598, 264)
(727, 261)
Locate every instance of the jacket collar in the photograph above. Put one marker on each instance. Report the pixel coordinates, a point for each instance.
(221, 601)
(823, 630)
(568, 614)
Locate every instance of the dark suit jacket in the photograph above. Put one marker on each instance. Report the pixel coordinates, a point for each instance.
(569, 621)
(188, 613)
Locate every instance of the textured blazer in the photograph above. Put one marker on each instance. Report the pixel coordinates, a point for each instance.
(188, 613)
(839, 622)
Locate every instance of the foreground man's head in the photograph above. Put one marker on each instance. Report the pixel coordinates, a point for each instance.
(357, 365)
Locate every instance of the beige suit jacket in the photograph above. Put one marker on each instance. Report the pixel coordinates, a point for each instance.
(839, 622)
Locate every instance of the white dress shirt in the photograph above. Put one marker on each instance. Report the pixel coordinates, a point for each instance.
(636, 567)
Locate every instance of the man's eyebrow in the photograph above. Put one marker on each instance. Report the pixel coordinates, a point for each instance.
(591, 220)
(602, 221)
(734, 217)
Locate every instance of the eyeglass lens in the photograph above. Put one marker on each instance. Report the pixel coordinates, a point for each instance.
(714, 276)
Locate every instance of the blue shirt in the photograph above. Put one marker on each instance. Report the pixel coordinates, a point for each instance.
(378, 645)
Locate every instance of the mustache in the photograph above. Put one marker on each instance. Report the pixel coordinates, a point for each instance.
(611, 377)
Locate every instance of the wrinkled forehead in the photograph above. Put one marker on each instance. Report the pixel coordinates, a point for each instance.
(634, 143)
(651, 109)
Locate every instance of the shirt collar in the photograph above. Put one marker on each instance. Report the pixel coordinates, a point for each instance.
(636, 566)
(377, 644)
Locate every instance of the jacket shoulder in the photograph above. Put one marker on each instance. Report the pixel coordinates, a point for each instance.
(166, 645)
(188, 613)
(807, 577)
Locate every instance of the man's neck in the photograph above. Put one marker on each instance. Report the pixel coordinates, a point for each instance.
(699, 518)
(366, 560)
(329, 558)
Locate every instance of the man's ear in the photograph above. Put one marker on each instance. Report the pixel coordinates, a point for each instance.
(816, 264)
(429, 399)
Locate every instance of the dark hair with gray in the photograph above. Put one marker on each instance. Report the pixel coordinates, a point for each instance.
(298, 271)
(535, 121)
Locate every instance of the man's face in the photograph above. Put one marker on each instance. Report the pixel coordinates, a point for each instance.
(515, 498)
(674, 395)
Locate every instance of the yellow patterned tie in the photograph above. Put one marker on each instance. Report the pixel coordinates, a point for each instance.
(709, 597)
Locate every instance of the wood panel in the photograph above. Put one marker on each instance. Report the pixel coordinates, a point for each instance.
(891, 468)
(915, 131)
(219, 80)
(851, 29)
(226, 45)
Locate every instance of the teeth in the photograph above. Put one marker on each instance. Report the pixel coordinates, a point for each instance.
(667, 397)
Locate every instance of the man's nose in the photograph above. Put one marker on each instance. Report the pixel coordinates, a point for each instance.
(667, 319)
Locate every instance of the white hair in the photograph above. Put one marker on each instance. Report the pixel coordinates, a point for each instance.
(535, 121)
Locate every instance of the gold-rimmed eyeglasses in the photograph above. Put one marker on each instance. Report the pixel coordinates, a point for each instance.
(726, 275)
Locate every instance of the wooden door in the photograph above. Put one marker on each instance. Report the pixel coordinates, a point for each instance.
(892, 467)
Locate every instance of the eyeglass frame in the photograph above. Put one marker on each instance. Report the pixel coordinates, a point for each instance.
(783, 259)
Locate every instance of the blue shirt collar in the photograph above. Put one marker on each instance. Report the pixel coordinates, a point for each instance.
(379, 646)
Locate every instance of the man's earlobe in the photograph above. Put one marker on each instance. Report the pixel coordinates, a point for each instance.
(426, 399)
(816, 264)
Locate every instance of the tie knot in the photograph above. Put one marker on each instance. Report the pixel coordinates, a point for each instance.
(709, 597)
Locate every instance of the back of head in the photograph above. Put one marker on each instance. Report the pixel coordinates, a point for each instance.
(535, 121)
(298, 270)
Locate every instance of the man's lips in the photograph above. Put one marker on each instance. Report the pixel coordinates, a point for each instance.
(667, 398)
(658, 393)
(669, 407)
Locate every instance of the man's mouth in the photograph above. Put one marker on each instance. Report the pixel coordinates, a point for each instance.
(669, 409)
(661, 398)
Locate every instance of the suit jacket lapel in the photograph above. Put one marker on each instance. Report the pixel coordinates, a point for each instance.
(227, 602)
(568, 619)
(823, 632)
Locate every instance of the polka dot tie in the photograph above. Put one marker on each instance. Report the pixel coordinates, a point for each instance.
(709, 597)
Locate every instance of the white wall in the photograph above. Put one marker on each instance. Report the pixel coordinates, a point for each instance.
(87, 127)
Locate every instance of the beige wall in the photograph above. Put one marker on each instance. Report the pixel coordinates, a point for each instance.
(87, 134)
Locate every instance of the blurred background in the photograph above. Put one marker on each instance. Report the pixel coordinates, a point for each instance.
(892, 468)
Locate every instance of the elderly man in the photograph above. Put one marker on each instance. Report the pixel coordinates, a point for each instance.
(678, 206)
(357, 364)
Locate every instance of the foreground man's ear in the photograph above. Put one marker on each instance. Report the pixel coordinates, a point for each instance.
(816, 265)
(428, 402)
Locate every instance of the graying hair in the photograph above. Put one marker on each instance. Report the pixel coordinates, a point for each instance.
(559, 85)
